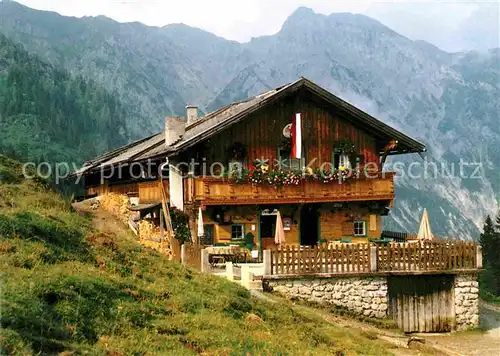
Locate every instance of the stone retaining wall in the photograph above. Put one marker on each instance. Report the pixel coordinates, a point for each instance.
(369, 295)
(466, 301)
(366, 296)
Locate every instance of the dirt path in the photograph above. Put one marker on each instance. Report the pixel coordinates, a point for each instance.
(484, 343)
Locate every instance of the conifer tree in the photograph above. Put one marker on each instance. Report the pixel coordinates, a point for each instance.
(490, 242)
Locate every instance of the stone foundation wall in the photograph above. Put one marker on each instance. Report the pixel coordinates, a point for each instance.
(366, 296)
(466, 301)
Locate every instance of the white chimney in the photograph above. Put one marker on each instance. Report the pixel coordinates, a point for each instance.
(192, 114)
(175, 127)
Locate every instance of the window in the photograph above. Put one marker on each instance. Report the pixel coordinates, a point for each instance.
(287, 162)
(235, 168)
(237, 232)
(344, 161)
(360, 228)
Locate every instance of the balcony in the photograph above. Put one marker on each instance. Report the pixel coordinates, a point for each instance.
(220, 191)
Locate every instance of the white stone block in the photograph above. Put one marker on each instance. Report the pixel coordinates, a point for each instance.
(382, 307)
(305, 290)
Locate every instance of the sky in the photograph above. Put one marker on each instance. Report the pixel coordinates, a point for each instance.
(436, 21)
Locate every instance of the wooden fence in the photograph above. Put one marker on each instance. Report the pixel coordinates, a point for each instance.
(435, 256)
(368, 258)
(321, 259)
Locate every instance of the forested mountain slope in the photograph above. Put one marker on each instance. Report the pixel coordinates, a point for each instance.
(48, 115)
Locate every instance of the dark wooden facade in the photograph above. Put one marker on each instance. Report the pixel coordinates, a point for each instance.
(261, 133)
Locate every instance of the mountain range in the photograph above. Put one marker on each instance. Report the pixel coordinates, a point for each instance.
(449, 101)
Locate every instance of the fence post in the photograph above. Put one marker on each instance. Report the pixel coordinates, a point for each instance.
(183, 254)
(479, 256)
(230, 271)
(266, 259)
(246, 276)
(373, 258)
(204, 261)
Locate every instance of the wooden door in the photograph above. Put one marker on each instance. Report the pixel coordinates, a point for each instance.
(422, 303)
(309, 225)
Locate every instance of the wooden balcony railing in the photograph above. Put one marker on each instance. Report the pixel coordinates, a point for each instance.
(219, 191)
(405, 258)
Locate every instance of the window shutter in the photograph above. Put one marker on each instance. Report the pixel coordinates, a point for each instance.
(336, 160)
(373, 222)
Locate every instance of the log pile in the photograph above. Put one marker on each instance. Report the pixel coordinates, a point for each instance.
(117, 205)
(147, 231)
(149, 234)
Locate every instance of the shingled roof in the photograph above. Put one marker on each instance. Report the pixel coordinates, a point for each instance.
(217, 121)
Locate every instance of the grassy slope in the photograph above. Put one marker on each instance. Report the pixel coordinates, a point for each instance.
(68, 284)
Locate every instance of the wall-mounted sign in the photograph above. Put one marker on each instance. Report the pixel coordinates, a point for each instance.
(287, 131)
(287, 224)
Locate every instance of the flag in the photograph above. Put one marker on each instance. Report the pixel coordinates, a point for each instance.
(296, 137)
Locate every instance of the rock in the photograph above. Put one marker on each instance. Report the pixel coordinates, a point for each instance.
(305, 290)
(382, 307)
(254, 318)
(317, 294)
(328, 287)
(281, 289)
(475, 320)
(467, 303)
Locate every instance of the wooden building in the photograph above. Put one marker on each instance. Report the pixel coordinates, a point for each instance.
(235, 164)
